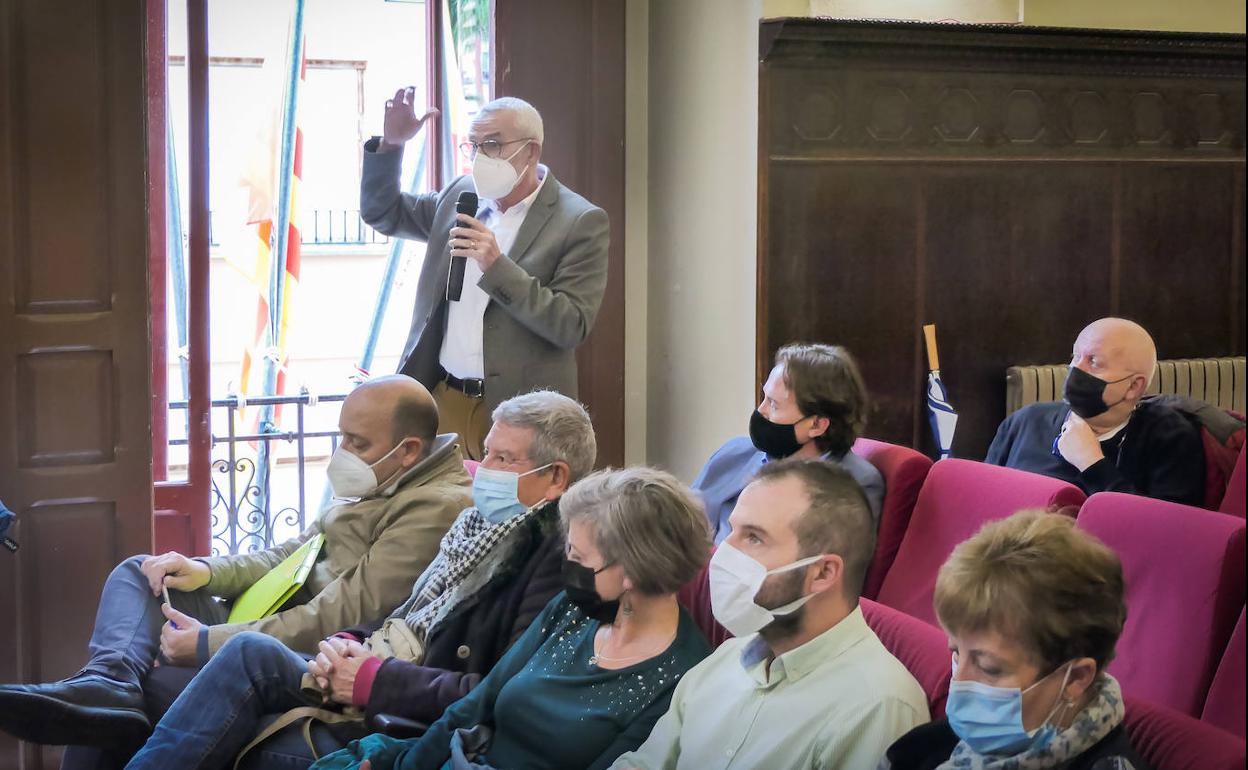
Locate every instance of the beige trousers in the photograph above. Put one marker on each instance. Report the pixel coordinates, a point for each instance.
(466, 416)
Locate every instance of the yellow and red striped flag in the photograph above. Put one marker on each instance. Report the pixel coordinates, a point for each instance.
(263, 185)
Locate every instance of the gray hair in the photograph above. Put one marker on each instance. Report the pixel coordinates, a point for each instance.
(561, 429)
(528, 119)
(644, 520)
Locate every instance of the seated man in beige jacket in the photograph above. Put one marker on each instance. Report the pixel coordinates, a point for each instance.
(397, 486)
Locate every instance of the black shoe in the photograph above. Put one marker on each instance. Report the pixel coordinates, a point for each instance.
(86, 710)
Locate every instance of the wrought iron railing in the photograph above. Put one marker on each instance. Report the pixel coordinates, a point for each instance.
(340, 227)
(244, 513)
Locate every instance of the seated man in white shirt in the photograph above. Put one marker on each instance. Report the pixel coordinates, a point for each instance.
(806, 683)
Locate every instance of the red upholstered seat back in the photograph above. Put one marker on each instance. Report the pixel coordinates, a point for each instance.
(903, 470)
(696, 598)
(1184, 571)
(1169, 740)
(958, 497)
(1233, 500)
(922, 648)
(1225, 705)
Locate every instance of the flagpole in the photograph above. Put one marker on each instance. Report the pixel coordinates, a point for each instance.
(177, 256)
(278, 265)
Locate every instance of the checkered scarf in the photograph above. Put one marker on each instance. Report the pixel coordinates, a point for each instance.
(469, 540)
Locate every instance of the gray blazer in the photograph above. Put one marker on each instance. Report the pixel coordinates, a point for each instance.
(544, 294)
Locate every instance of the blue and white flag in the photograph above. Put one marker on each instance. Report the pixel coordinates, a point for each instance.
(7, 518)
(940, 412)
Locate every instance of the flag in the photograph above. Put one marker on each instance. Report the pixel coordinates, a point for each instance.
(940, 413)
(262, 180)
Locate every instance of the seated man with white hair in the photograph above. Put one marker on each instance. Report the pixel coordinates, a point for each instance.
(534, 261)
(1102, 437)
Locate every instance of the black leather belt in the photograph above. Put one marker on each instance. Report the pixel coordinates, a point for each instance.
(472, 388)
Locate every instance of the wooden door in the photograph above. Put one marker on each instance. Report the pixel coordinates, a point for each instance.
(75, 447)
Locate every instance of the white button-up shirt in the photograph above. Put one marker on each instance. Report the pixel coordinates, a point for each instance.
(462, 353)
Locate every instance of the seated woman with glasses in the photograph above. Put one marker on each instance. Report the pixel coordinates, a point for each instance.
(1033, 608)
(597, 668)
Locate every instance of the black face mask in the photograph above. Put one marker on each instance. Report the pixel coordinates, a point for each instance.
(1086, 393)
(774, 439)
(578, 582)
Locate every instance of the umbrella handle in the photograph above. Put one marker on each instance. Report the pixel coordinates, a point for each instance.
(933, 359)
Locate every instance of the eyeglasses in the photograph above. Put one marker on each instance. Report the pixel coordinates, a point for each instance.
(490, 148)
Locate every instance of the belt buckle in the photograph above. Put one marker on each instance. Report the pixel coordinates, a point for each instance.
(474, 388)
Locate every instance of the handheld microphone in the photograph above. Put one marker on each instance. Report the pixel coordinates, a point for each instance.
(466, 204)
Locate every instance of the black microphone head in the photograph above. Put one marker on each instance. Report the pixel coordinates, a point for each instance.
(467, 203)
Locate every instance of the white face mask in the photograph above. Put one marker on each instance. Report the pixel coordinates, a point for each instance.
(350, 476)
(735, 581)
(495, 178)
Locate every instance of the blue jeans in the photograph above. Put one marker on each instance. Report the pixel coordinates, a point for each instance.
(126, 638)
(220, 712)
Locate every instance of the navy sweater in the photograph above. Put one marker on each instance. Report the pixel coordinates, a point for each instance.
(1159, 454)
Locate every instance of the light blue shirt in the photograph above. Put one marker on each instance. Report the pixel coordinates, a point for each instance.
(734, 464)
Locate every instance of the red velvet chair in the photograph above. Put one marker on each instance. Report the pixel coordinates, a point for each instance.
(903, 470)
(1184, 570)
(1225, 705)
(958, 497)
(922, 648)
(696, 598)
(1233, 500)
(1169, 740)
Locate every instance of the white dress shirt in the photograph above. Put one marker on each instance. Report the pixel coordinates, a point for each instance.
(462, 353)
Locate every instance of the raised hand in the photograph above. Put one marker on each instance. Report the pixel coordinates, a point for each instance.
(401, 122)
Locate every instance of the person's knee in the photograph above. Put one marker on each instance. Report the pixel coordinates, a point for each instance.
(131, 566)
(256, 651)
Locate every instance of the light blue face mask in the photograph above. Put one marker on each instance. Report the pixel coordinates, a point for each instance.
(990, 719)
(495, 493)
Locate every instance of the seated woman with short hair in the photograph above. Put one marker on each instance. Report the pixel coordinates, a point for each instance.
(1033, 608)
(597, 668)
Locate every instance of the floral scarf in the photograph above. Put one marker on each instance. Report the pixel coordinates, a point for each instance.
(1102, 714)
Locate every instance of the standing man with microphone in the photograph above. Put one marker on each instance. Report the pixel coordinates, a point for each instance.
(533, 262)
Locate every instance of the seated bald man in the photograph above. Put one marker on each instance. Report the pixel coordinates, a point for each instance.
(1102, 436)
(398, 488)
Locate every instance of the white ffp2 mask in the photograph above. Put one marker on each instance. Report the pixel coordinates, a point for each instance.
(350, 476)
(495, 178)
(735, 581)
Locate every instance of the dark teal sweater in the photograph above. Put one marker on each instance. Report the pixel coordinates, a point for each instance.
(548, 705)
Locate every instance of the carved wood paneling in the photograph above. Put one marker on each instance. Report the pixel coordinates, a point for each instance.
(1007, 184)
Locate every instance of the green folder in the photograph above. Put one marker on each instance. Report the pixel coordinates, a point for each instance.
(267, 595)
